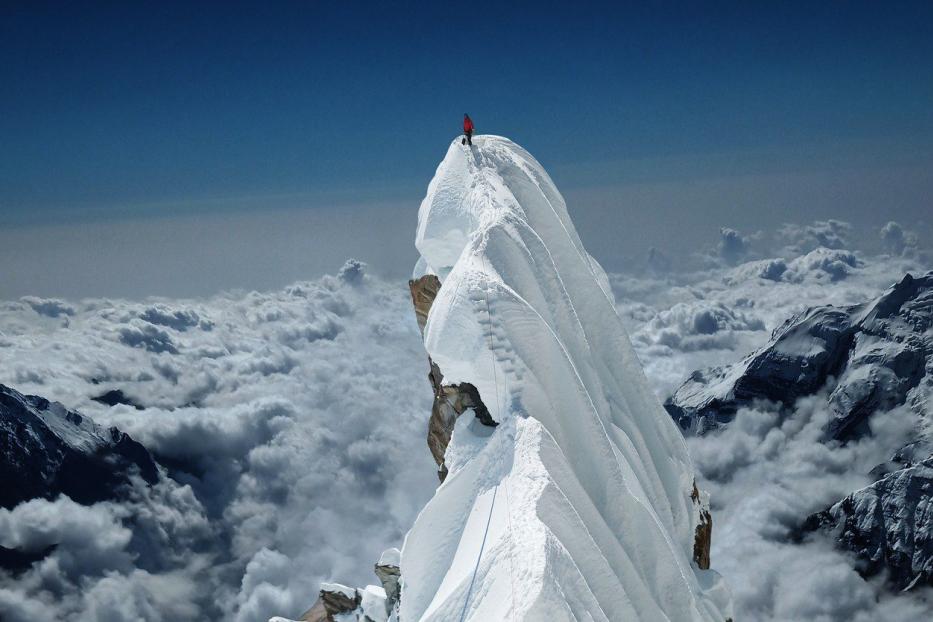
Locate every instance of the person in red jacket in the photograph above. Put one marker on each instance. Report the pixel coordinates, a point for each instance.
(467, 129)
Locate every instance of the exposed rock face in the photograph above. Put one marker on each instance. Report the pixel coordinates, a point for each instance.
(873, 357)
(451, 400)
(47, 450)
(339, 603)
(333, 600)
(389, 572)
(888, 526)
(423, 292)
(703, 539)
(880, 352)
(117, 396)
(16, 561)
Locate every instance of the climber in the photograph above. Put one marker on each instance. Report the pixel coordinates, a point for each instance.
(467, 130)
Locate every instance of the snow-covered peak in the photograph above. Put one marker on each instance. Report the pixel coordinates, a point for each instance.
(580, 503)
(871, 357)
(47, 450)
(72, 429)
(474, 189)
(887, 525)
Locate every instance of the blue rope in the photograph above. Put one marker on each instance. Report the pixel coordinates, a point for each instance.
(480, 557)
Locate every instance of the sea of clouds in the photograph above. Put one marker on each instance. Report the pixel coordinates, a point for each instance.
(291, 427)
(770, 468)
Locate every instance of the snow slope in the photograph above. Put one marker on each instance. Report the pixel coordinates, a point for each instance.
(578, 505)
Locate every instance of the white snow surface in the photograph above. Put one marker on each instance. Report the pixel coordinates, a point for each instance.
(390, 557)
(577, 506)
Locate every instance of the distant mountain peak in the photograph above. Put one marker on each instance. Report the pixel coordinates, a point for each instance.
(870, 358)
(47, 450)
(879, 354)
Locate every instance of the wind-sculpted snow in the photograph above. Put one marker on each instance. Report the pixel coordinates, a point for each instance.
(578, 504)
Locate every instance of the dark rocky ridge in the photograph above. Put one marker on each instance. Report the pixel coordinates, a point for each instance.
(47, 450)
(16, 561)
(114, 397)
(880, 354)
(888, 526)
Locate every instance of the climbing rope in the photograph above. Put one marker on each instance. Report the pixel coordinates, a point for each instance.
(480, 557)
(499, 408)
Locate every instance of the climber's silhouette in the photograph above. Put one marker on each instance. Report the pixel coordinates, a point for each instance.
(467, 130)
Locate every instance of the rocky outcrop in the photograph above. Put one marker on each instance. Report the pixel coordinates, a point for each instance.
(888, 526)
(703, 536)
(880, 355)
(423, 292)
(388, 569)
(115, 397)
(450, 400)
(333, 600)
(16, 561)
(47, 450)
(339, 603)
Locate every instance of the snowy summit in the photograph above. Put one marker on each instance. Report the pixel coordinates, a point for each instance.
(566, 490)
(580, 504)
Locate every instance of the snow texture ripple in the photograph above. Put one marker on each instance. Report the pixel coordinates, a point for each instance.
(577, 506)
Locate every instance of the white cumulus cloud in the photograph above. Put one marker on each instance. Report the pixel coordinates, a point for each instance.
(291, 425)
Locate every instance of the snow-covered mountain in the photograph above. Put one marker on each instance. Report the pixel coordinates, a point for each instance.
(868, 359)
(877, 355)
(888, 526)
(567, 492)
(47, 450)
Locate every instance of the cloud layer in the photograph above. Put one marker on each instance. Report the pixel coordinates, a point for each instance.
(291, 422)
(769, 470)
(292, 426)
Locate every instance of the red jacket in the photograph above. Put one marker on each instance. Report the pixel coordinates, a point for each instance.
(467, 124)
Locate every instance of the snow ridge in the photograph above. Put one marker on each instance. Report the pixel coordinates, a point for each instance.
(577, 506)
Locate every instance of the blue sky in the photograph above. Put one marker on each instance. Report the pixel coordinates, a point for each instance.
(124, 110)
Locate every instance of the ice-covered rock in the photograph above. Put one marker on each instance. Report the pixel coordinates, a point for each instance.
(339, 603)
(878, 355)
(47, 450)
(888, 526)
(580, 503)
(389, 572)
